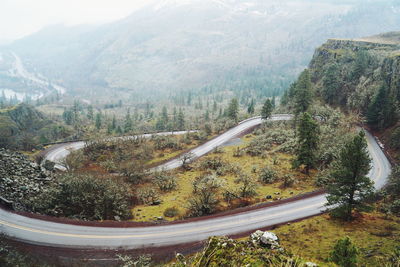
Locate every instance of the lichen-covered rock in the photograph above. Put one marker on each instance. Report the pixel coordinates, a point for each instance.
(265, 239)
(269, 239)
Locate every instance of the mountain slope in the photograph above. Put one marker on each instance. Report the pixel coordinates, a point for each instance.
(361, 75)
(175, 45)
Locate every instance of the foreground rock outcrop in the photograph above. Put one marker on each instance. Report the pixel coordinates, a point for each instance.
(21, 179)
(259, 249)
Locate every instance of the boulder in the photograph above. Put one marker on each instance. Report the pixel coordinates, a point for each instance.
(269, 239)
(256, 236)
(265, 239)
(310, 264)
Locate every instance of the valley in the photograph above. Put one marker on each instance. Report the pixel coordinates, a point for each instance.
(204, 133)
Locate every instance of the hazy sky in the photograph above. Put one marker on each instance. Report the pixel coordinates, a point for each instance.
(22, 17)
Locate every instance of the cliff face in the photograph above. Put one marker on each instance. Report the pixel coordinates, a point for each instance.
(343, 51)
(350, 73)
(360, 67)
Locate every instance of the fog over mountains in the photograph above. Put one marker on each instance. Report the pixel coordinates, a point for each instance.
(176, 45)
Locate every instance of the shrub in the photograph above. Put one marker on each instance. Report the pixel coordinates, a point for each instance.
(148, 196)
(212, 163)
(218, 150)
(207, 129)
(238, 152)
(254, 169)
(267, 175)
(345, 253)
(109, 165)
(247, 186)
(277, 134)
(133, 171)
(186, 159)
(202, 203)
(186, 139)
(171, 212)
(394, 207)
(164, 142)
(204, 199)
(206, 182)
(394, 259)
(288, 180)
(165, 182)
(86, 197)
(73, 161)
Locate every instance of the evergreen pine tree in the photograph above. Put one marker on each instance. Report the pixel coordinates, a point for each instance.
(345, 253)
(207, 115)
(109, 128)
(267, 109)
(250, 108)
(382, 112)
(90, 113)
(349, 185)
(3, 95)
(331, 89)
(128, 126)
(114, 123)
(98, 121)
(175, 119)
(181, 120)
(307, 142)
(119, 130)
(147, 110)
(68, 117)
(215, 107)
(273, 101)
(164, 115)
(360, 65)
(303, 94)
(233, 109)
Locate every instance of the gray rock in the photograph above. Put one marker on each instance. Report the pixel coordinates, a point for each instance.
(265, 239)
(310, 264)
(20, 178)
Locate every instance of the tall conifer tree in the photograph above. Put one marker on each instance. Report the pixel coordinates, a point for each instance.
(307, 142)
(349, 185)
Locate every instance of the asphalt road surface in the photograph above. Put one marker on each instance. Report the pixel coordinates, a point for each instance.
(53, 234)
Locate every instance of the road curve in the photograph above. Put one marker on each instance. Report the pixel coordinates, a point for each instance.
(56, 155)
(53, 234)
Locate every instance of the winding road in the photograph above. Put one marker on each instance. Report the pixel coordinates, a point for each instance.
(41, 232)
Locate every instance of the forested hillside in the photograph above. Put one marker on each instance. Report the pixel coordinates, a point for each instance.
(360, 75)
(23, 127)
